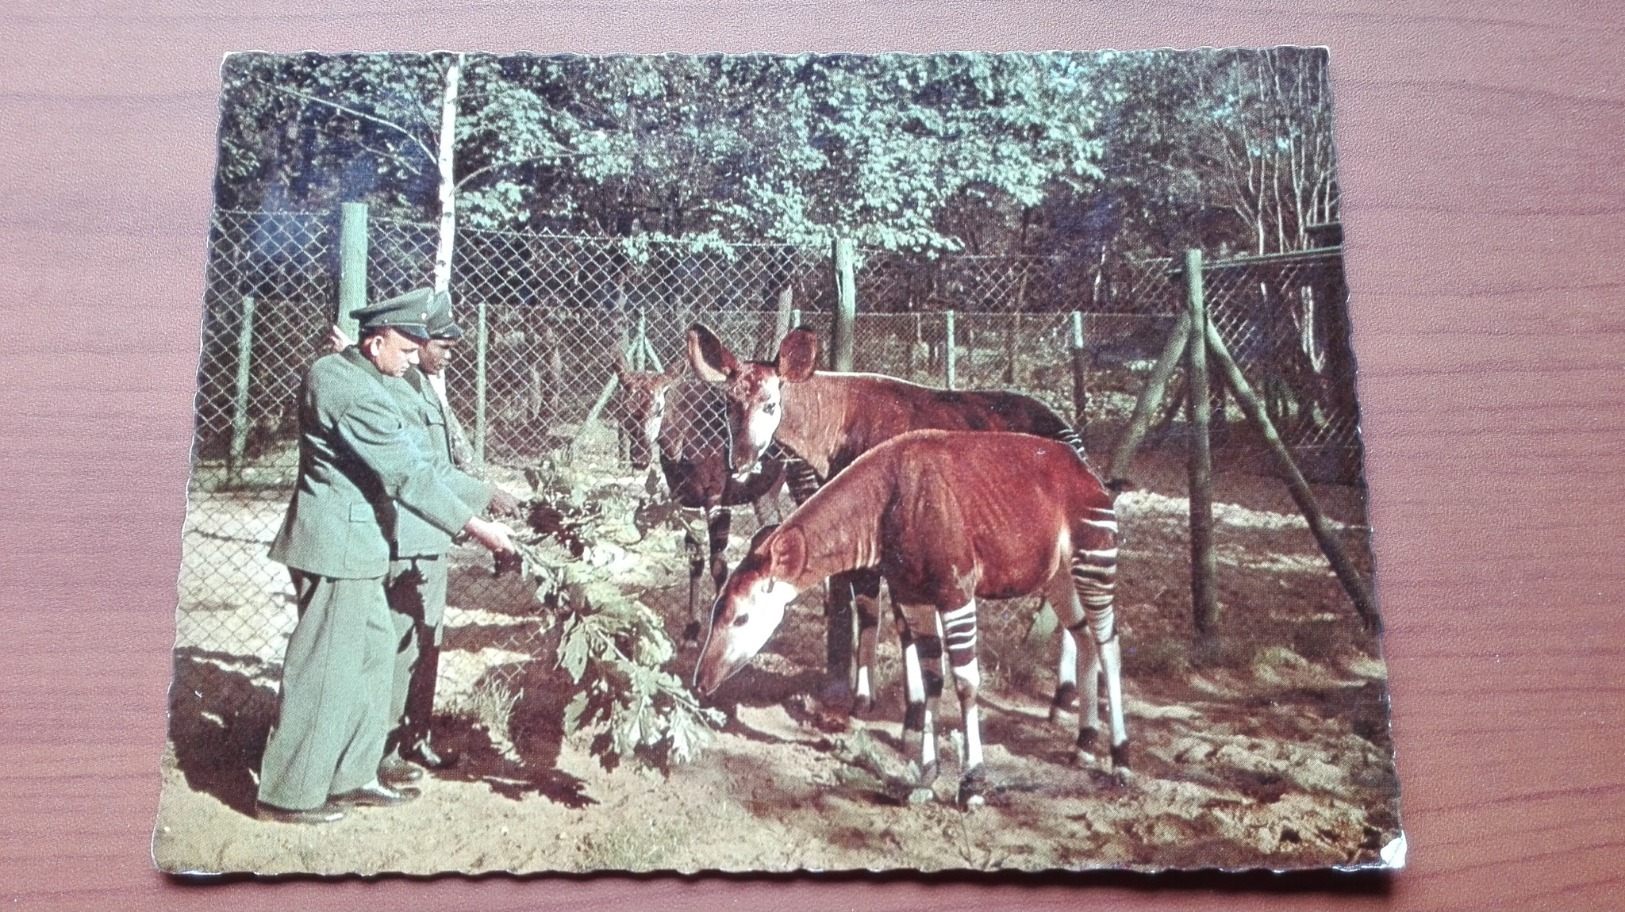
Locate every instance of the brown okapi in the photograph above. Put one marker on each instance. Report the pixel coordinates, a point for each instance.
(946, 518)
(685, 424)
(828, 419)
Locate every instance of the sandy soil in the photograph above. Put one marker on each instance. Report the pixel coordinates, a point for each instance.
(1274, 753)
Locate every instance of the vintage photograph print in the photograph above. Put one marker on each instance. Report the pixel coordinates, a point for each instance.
(776, 463)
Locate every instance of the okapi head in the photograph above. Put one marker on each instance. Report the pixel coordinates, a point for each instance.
(751, 604)
(643, 408)
(754, 388)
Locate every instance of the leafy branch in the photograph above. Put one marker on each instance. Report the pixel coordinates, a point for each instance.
(613, 646)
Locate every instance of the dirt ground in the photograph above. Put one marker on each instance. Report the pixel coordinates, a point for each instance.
(1274, 753)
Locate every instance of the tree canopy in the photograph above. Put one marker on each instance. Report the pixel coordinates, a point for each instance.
(1120, 154)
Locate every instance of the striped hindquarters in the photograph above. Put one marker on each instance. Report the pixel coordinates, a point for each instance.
(959, 634)
(1070, 437)
(800, 478)
(1094, 573)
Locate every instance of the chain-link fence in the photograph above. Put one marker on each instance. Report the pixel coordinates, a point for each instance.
(549, 317)
(1284, 319)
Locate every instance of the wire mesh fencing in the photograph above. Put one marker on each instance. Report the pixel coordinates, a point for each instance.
(553, 324)
(1284, 319)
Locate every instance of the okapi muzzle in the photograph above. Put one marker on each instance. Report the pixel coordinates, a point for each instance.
(757, 420)
(746, 613)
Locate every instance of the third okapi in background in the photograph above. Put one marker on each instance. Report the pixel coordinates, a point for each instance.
(828, 419)
(946, 518)
(685, 424)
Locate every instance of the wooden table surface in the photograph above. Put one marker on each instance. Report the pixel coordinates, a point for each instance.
(1483, 169)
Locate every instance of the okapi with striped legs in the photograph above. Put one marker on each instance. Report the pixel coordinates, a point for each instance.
(828, 419)
(946, 518)
(686, 426)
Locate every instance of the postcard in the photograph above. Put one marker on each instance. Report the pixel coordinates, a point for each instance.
(773, 463)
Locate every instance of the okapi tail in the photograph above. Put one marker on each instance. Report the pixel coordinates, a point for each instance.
(1118, 486)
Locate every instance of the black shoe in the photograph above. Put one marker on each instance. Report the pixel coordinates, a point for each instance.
(424, 755)
(395, 771)
(375, 794)
(327, 813)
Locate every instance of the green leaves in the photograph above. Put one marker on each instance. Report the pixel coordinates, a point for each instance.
(613, 647)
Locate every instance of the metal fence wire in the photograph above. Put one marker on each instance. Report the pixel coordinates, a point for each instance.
(534, 382)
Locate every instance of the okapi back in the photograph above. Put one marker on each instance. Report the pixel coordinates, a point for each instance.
(850, 414)
(949, 515)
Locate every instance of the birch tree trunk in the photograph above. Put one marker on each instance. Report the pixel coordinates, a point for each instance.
(448, 187)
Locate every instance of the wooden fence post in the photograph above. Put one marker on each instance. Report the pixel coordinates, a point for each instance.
(1012, 334)
(640, 344)
(481, 342)
(1364, 603)
(950, 366)
(1145, 407)
(782, 317)
(352, 266)
(1204, 599)
(1080, 375)
(846, 306)
(239, 410)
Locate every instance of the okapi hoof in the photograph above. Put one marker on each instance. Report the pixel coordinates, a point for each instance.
(862, 705)
(1066, 700)
(929, 773)
(691, 633)
(1120, 764)
(1084, 751)
(971, 787)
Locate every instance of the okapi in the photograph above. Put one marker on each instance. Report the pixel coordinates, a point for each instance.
(946, 518)
(828, 419)
(686, 425)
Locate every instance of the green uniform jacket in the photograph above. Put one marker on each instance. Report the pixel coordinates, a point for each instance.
(361, 466)
(416, 536)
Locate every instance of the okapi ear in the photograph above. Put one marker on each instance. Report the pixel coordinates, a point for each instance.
(711, 359)
(798, 355)
(623, 368)
(787, 554)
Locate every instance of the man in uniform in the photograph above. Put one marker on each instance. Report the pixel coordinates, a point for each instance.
(417, 573)
(360, 469)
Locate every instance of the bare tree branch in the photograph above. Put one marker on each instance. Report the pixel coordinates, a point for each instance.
(363, 115)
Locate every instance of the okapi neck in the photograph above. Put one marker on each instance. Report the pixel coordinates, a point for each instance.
(815, 418)
(841, 525)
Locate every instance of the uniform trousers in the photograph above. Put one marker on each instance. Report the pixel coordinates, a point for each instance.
(336, 675)
(416, 589)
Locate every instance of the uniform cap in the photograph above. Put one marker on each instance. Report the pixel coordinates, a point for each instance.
(440, 324)
(407, 314)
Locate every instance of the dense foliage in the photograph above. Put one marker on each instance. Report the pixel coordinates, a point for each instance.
(1116, 154)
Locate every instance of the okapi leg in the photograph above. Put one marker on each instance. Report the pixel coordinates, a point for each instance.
(838, 647)
(801, 479)
(919, 737)
(718, 524)
(959, 635)
(1066, 674)
(1085, 680)
(696, 567)
(930, 649)
(866, 605)
(1094, 577)
(868, 634)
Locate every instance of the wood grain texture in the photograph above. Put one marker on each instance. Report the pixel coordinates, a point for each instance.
(1483, 164)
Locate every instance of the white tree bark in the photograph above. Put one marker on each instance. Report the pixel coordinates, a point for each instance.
(446, 159)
